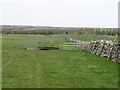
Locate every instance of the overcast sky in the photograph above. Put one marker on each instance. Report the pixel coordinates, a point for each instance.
(72, 13)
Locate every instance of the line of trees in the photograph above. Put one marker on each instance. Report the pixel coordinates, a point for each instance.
(80, 31)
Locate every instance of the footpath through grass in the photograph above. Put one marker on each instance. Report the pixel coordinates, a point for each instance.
(54, 69)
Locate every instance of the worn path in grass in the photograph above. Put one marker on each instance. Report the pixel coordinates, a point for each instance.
(54, 69)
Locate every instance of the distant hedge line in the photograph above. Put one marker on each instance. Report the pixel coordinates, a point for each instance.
(111, 32)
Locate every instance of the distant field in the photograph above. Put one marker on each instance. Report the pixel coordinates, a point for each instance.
(54, 69)
(94, 38)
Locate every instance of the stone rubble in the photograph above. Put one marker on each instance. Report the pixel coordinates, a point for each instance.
(103, 48)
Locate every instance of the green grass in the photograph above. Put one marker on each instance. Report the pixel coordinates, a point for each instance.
(93, 38)
(0, 61)
(54, 69)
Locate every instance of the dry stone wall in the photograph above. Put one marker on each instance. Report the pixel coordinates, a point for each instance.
(103, 48)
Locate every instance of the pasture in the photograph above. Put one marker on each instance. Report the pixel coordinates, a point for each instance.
(95, 38)
(54, 69)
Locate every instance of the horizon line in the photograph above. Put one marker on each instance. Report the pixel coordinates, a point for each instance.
(57, 26)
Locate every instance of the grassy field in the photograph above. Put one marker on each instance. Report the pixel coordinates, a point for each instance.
(94, 38)
(54, 69)
(0, 61)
